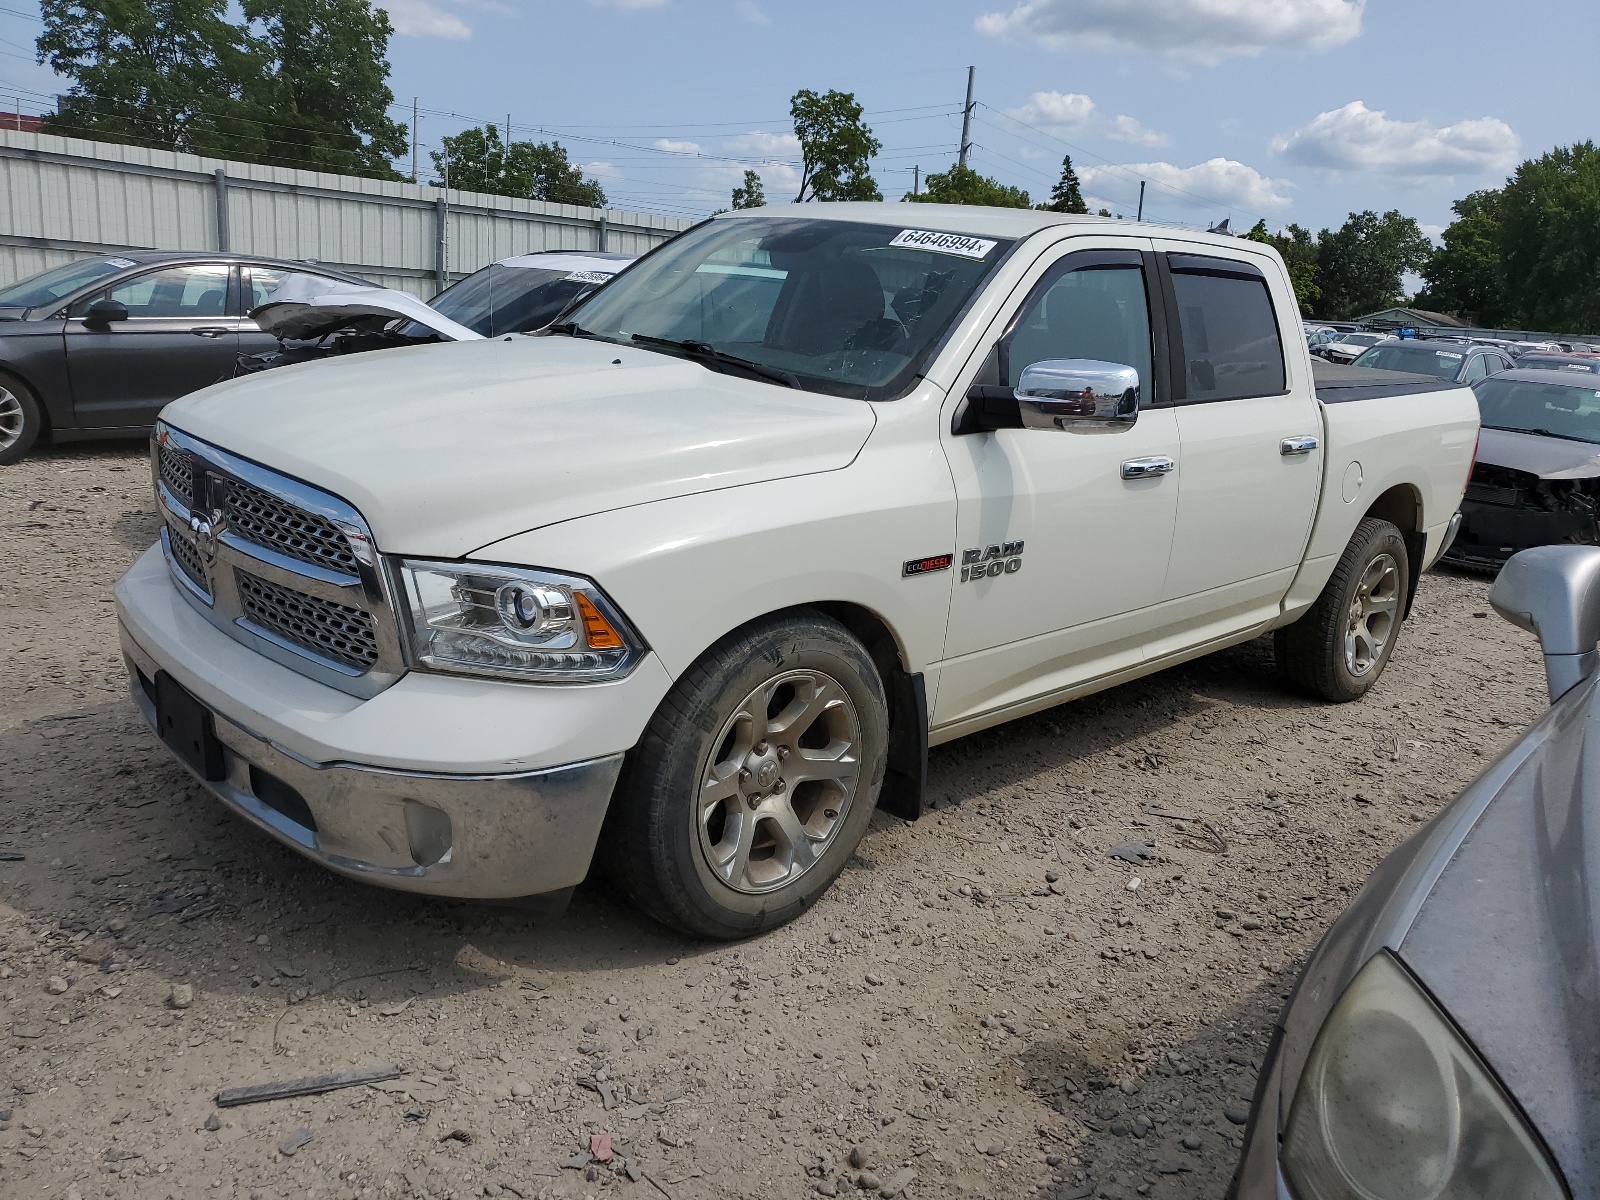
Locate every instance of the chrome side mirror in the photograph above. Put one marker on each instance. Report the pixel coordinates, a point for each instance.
(1554, 593)
(1078, 393)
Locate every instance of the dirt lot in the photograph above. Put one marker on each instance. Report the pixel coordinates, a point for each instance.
(981, 1001)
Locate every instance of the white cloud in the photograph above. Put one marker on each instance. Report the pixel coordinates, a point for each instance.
(1216, 183)
(677, 146)
(629, 5)
(603, 171)
(758, 143)
(1073, 112)
(419, 19)
(748, 10)
(1205, 30)
(1358, 138)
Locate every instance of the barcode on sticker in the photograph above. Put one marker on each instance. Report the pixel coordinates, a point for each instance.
(590, 276)
(943, 243)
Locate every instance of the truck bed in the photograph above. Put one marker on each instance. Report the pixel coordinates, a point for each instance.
(1338, 383)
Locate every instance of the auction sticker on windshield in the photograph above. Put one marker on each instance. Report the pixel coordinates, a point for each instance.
(589, 276)
(943, 243)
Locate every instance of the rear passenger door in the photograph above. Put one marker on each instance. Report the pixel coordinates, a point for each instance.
(1250, 437)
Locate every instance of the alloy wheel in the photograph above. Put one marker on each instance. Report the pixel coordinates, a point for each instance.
(12, 419)
(1374, 613)
(778, 781)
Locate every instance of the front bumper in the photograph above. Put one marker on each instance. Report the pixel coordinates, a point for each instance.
(444, 785)
(1492, 533)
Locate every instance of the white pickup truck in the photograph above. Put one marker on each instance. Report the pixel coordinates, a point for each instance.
(688, 584)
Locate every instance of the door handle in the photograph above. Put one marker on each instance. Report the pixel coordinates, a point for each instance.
(1147, 468)
(209, 331)
(1297, 445)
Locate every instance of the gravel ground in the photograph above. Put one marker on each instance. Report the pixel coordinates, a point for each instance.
(985, 1005)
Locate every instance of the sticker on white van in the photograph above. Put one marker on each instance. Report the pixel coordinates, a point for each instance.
(943, 243)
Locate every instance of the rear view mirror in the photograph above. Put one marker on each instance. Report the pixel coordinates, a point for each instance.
(1554, 593)
(102, 312)
(1078, 393)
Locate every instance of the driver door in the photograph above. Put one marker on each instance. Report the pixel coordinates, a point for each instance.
(1081, 547)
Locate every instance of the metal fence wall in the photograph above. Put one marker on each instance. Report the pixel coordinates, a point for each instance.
(62, 198)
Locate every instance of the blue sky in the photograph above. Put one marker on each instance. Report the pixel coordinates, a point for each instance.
(1292, 110)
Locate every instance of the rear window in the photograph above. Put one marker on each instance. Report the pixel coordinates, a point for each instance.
(1419, 360)
(1231, 346)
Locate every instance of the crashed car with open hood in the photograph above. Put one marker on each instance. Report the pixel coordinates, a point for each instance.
(1537, 478)
(514, 295)
(1441, 1041)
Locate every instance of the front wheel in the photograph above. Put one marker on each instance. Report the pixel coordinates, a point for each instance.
(754, 781)
(1341, 645)
(21, 420)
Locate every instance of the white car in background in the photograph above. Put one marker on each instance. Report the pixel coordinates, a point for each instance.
(315, 318)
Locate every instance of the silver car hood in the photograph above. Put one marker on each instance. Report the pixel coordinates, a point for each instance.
(1508, 937)
(309, 317)
(1546, 457)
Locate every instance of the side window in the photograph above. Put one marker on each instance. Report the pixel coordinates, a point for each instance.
(1231, 346)
(196, 291)
(267, 284)
(1477, 368)
(1084, 310)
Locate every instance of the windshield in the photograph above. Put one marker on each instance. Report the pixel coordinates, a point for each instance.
(501, 299)
(1360, 339)
(1419, 360)
(844, 308)
(1563, 409)
(60, 281)
(1534, 362)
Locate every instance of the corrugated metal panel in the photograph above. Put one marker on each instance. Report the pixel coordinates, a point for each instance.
(70, 199)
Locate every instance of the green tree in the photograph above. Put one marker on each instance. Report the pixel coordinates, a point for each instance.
(836, 147)
(477, 160)
(321, 97)
(1360, 264)
(1067, 195)
(1299, 251)
(159, 73)
(1550, 240)
(963, 185)
(750, 194)
(1466, 276)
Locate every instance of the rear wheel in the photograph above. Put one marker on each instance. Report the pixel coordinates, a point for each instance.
(21, 420)
(1340, 647)
(754, 781)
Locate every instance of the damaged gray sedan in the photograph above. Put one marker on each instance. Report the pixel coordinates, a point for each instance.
(1537, 478)
(1443, 1041)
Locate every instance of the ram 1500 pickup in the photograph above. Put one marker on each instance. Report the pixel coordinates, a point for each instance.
(688, 584)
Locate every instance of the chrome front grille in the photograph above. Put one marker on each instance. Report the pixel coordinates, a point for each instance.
(282, 567)
(332, 630)
(177, 473)
(187, 556)
(265, 520)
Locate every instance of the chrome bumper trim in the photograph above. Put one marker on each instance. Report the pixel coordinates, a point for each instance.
(485, 837)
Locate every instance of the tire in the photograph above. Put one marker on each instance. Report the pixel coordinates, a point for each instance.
(1340, 647)
(783, 727)
(21, 420)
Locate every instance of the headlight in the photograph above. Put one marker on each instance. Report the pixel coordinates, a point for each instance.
(515, 623)
(1394, 1105)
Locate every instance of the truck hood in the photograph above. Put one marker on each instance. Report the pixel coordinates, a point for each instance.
(1508, 938)
(1546, 457)
(446, 448)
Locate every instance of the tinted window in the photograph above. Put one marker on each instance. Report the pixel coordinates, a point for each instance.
(501, 299)
(1556, 409)
(1477, 368)
(848, 308)
(1231, 348)
(1418, 359)
(1093, 312)
(199, 290)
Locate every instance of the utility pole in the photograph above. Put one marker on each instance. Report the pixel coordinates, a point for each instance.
(1141, 200)
(916, 180)
(414, 122)
(966, 118)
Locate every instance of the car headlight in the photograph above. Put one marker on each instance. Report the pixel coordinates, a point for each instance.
(514, 622)
(1394, 1105)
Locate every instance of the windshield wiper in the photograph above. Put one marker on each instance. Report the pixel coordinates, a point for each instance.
(1565, 437)
(709, 353)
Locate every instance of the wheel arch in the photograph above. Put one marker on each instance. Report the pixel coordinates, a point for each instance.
(1401, 506)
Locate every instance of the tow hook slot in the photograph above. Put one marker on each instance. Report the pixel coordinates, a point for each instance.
(428, 830)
